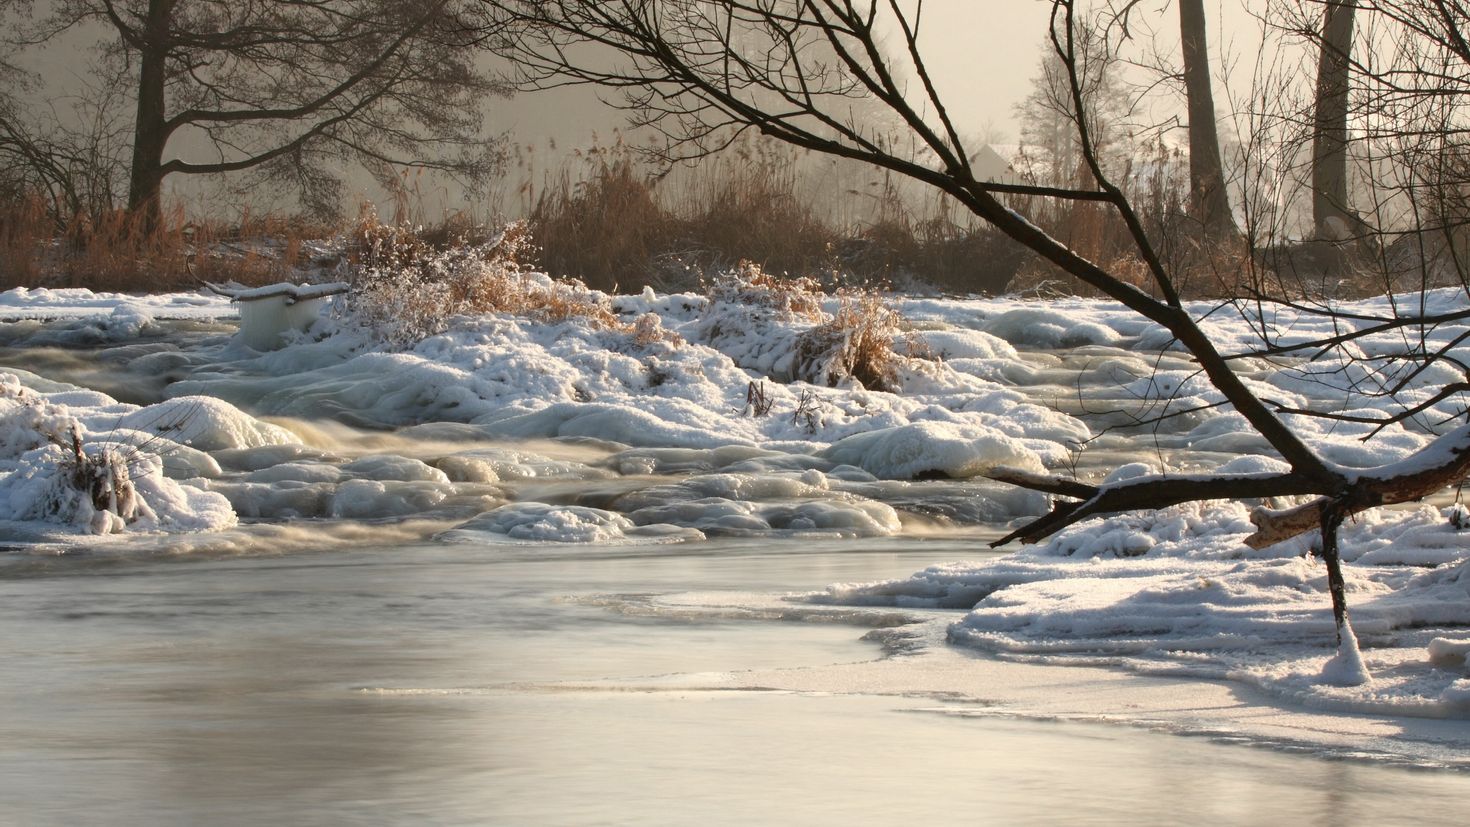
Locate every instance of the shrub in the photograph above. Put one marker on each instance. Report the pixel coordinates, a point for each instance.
(857, 342)
(778, 327)
(59, 478)
(789, 299)
(407, 290)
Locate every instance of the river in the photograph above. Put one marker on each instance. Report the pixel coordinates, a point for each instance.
(356, 671)
(434, 684)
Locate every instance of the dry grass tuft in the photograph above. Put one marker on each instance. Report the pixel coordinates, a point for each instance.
(757, 404)
(25, 230)
(605, 228)
(856, 343)
(790, 299)
(407, 290)
(649, 330)
(808, 411)
(749, 208)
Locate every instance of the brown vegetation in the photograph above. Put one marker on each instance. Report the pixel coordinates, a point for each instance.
(857, 342)
(618, 224)
(613, 222)
(113, 252)
(408, 288)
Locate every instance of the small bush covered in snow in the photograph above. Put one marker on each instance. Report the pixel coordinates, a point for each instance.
(54, 469)
(788, 299)
(406, 290)
(779, 327)
(857, 342)
(55, 477)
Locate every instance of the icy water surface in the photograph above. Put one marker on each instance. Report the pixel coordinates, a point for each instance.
(432, 685)
(438, 624)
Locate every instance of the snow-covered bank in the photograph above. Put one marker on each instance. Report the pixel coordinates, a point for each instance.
(1178, 593)
(74, 303)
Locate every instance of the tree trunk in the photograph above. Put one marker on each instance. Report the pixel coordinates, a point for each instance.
(1208, 198)
(150, 133)
(1330, 213)
(1332, 517)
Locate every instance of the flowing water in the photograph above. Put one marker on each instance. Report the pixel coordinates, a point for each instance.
(358, 672)
(432, 685)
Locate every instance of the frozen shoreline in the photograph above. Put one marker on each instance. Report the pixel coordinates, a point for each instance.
(966, 682)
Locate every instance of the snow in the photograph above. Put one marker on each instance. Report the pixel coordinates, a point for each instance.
(516, 430)
(292, 292)
(1176, 592)
(927, 448)
(68, 459)
(77, 302)
(537, 523)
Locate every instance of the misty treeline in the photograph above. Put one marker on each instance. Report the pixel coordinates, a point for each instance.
(287, 93)
(285, 98)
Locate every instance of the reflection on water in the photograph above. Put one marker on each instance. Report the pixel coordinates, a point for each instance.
(420, 684)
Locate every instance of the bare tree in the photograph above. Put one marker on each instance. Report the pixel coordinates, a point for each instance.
(73, 159)
(1048, 124)
(1209, 199)
(1388, 121)
(1331, 214)
(287, 88)
(703, 70)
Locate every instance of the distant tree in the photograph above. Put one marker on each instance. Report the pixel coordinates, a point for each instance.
(1389, 128)
(1331, 215)
(75, 161)
(1209, 200)
(287, 88)
(1048, 125)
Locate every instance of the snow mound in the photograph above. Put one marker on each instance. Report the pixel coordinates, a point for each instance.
(533, 522)
(756, 504)
(931, 448)
(726, 517)
(1049, 328)
(59, 466)
(205, 423)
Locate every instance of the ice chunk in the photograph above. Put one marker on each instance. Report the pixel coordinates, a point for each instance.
(929, 448)
(388, 467)
(371, 499)
(1447, 653)
(1048, 327)
(533, 522)
(297, 472)
(619, 423)
(268, 313)
(721, 516)
(278, 500)
(205, 423)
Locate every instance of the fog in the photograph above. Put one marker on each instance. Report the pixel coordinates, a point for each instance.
(982, 55)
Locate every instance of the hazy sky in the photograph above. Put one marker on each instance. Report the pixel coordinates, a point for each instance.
(983, 54)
